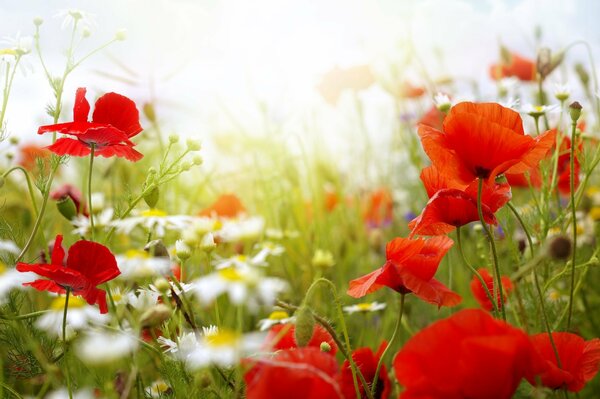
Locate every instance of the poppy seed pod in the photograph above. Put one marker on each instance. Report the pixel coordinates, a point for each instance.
(559, 247)
(575, 111)
(67, 207)
(305, 324)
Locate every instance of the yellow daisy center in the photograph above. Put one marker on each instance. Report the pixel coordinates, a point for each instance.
(154, 213)
(136, 253)
(231, 274)
(364, 306)
(74, 302)
(223, 338)
(278, 315)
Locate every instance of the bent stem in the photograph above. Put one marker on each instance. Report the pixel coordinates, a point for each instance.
(392, 340)
(65, 345)
(518, 217)
(475, 272)
(574, 221)
(498, 286)
(92, 150)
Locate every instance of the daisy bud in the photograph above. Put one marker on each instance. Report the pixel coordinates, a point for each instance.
(193, 145)
(14, 140)
(305, 324)
(152, 197)
(37, 21)
(67, 207)
(121, 35)
(323, 259)
(162, 285)
(559, 247)
(86, 32)
(173, 138)
(208, 242)
(149, 112)
(197, 160)
(155, 316)
(182, 251)
(325, 347)
(185, 166)
(575, 111)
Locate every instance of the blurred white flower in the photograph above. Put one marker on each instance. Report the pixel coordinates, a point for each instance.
(80, 315)
(9, 246)
(11, 278)
(153, 220)
(135, 264)
(102, 347)
(276, 317)
(539, 110)
(144, 299)
(72, 16)
(20, 45)
(364, 307)
(101, 221)
(245, 286)
(63, 393)
(234, 230)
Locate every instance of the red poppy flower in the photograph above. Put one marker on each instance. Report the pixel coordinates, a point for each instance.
(89, 264)
(294, 374)
(515, 65)
(282, 336)
(226, 206)
(433, 118)
(115, 120)
(378, 210)
(533, 178)
(366, 361)
(483, 141)
(580, 360)
(67, 190)
(410, 267)
(452, 204)
(480, 294)
(564, 166)
(408, 90)
(29, 155)
(467, 355)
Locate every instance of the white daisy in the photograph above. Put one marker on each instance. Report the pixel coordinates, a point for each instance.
(70, 16)
(80, 315)
(266, 249)
(539, 110)
(144, 299)
(9, 246)
(101, 221)
(153, 220)
(63, 393)
(276, 317)
(239, 262)
(234, 230)
(103, 347)
(158, 389)
(136, 264)
(11, 278)
(364, 307)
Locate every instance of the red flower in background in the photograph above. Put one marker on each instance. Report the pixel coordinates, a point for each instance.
(115, 120)
(452, 204)
(410, 267)
(366, 361)
(479, 291)
(89, 264)
(564, 166)
(226, 206)
(580, 360)
(29, 154)
(378, 210)
(514, 65)
(294, 374)
(467, 355)
(282, 336)
(433, 118)
(483, 141)
(67, 190)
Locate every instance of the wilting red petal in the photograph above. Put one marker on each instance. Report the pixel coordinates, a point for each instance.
(294, 374)
(58, 252)
(580, 360)
(282, 336)
(468, 355)
(93, 260)
(81, 108)
(118, 111)
(366, 361)
(66, 146)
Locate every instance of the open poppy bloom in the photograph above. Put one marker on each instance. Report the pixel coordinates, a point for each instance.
(115, 120)
(482, 141)
(282, 336)
(514, 65)
(480, 294)
(293, 374)
(89, 264)
(366, 361)
(226, 206)
(580, 360)
(452, 204)
(467, 355)
(410, 267)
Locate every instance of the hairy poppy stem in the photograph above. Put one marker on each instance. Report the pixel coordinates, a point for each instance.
(392, 340)
(92, 150)
(574, 220)
(518, 217)
(475, 272)
(498, 286)
(65, 344)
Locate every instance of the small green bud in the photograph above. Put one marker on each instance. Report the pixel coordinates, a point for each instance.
(149, 112)
(152, 197)
(185, 166)
(14, 140)
(305, 324)
(173, 138)
(575, 111)
(323, 259)
(86, 32)
(152, 170)
(37, 21)
(325, 347)
(207, 244)
(121, 35)
(67, 207)
(197, 160)
(193, 145)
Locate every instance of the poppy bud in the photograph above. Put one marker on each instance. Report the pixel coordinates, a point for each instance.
(305, 324)
(575, 111)
(155, 316)
(149, 112)
(559, 247)
(152, 197)
(325, 347)
(67, 207)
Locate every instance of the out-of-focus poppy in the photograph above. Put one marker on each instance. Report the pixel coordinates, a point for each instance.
(479, 291)
(226, 206)
(515, 65)
(379, 208)
(282, 336)
(366, 361)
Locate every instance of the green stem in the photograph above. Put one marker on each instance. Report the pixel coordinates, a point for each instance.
(91, 210)
(574, 221)
(475, 272)
(545, 317)
(7, 88)
(385, 351)
(65, 344)
(518, 217)
(498, 286)
(29, 186)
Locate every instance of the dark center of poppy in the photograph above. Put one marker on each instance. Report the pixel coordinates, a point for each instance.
(482, 172)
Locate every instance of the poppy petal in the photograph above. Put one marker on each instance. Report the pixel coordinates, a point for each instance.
(121, 151)
(58, 252)
(67, 146)
(118, 111)
(93, 260)
(81, 109)
(46, 285)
